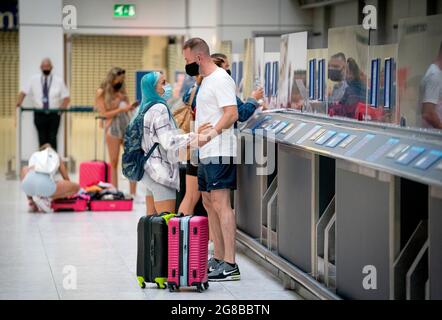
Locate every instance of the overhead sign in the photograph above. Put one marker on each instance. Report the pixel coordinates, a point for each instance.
(124, 11)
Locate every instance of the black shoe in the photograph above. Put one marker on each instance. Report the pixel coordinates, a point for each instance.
(225, 272)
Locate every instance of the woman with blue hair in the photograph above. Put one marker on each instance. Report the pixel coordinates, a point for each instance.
(161, 175)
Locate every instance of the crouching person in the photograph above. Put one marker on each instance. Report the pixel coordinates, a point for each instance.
(40, 180)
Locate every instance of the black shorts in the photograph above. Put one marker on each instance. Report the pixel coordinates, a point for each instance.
(191, 170)
(216, 174)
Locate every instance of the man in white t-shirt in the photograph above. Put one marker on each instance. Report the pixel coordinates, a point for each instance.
(430, 111)
(216, 105)
(48, 92)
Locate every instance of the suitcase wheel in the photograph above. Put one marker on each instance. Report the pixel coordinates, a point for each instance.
(206, 285)
(199, 287)
(141, 282)
(173, 287)
(161, 283)
(161, 286)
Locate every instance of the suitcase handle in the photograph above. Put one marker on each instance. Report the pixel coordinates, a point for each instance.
(152, 251)
(96, 137)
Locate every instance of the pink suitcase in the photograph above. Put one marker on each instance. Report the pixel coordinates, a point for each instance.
(188, 253)
(111, 205)
(93, 172)
(72, 204)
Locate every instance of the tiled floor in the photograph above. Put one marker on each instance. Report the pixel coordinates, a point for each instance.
(39, 254)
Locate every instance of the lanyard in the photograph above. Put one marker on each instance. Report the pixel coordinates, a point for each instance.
(49, 83)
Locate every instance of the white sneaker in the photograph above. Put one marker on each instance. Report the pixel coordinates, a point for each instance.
(43, 204)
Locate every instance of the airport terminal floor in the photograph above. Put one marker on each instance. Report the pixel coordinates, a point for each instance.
(38, 250)
(326, 116)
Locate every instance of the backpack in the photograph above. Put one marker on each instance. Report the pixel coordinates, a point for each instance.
(134, 157)
(46, 161)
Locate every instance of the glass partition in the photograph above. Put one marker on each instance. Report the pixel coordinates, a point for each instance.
(381, 106)
(419, 72)
(316, 80)
(271, 74)
(237, 72)
(266, 73)
(396, 83)
(258, 75)
(347, 87)
(292, 83)
(248, 68)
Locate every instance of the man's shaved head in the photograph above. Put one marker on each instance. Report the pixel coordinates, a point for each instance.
(198, 46)
(46, 62)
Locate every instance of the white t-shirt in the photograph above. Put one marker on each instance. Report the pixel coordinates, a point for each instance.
(216, 92)
(431, 92)
(57, 90)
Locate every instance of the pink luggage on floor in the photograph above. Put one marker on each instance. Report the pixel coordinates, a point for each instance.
(73, 204)
(93, 172)
(111, 205)
(188, 252)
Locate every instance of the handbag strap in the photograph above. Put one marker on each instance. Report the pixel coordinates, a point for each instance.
(155, 145)
(192, 96)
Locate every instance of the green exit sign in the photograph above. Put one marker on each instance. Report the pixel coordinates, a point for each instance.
(124, 10)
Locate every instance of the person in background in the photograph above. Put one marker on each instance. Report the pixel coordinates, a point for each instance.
(355, 93)
(337, 70)
(245, 109)
(48, 92)
(349, 90)
(430, 111)
(41, 180)
(112, 103)
(192, 195)
(216, 105)
(161, 176)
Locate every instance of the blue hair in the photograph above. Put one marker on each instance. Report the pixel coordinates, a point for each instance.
(149, 94)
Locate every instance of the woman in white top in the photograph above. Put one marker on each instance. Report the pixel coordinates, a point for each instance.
(40, 183)
(161, 176)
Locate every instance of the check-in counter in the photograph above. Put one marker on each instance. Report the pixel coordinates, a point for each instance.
(257, 177)
(358, 204)
(435, 244)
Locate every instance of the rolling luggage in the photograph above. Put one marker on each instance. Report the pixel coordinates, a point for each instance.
(111, 205)
(93, 172)
(75, 204)
(188, 253)
(110, 200)
(152, 250)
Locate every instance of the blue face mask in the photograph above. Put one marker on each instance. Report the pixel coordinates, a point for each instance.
(167, 92)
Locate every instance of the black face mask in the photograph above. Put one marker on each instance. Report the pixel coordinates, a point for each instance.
(229, 72)
(46, 72)
(118, 86)
(192, 69)
(335, 75)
